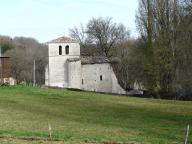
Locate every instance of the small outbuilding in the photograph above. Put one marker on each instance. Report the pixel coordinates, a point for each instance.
(5, 70)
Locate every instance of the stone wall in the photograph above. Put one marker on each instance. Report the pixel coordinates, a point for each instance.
(116, 88)
(58, 65)
(74, 74)
(96, 77)
(74, 49)
(100, 78)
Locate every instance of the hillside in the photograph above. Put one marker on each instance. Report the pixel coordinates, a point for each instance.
(80, 117)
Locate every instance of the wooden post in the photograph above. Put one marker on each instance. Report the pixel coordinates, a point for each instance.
(187, 134)
(1, 67)
(34, 79)
(50, 130)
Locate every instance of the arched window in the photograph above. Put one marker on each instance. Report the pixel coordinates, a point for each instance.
(67, 50)
(60, 50)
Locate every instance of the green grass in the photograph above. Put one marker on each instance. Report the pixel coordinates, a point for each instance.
(79, 117)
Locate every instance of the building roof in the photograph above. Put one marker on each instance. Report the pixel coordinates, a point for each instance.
(73, 59)
(90, 60)
(94, 60)
(63, 40)
(5, 39)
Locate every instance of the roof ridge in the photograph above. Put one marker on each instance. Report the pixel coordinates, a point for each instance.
(63, 39)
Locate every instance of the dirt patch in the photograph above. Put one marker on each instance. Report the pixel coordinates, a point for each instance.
(27, 141)
(8, 140)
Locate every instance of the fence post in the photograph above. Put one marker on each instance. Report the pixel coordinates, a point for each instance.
(187, 134)
(50, 130)
(34, 77)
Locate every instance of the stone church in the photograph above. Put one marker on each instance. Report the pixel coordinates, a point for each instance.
(68, 69)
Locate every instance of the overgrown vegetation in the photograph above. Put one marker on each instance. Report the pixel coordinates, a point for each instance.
(159, 61)
(23, 51)
(165, 28)
(78, 117)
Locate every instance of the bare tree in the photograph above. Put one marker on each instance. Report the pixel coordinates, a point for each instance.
(6, 43)
(23, 53)
(79, 33)
(165, 28)
(106, 34)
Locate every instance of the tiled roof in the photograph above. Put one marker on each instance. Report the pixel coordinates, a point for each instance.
(63, 40)
(73, 59)
(5, 39)
(94, 60)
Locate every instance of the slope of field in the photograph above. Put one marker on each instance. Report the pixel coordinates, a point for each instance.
(81, 117)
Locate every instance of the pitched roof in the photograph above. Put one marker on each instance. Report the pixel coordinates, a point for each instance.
(94, 60)
(63, 40)
(73, 59)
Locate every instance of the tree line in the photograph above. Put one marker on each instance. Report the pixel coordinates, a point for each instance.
(165, 27)
(23, 51)
(159, 60)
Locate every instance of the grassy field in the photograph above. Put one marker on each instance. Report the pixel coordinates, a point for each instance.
(79, 117)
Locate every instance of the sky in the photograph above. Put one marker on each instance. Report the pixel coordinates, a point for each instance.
(45, 20)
